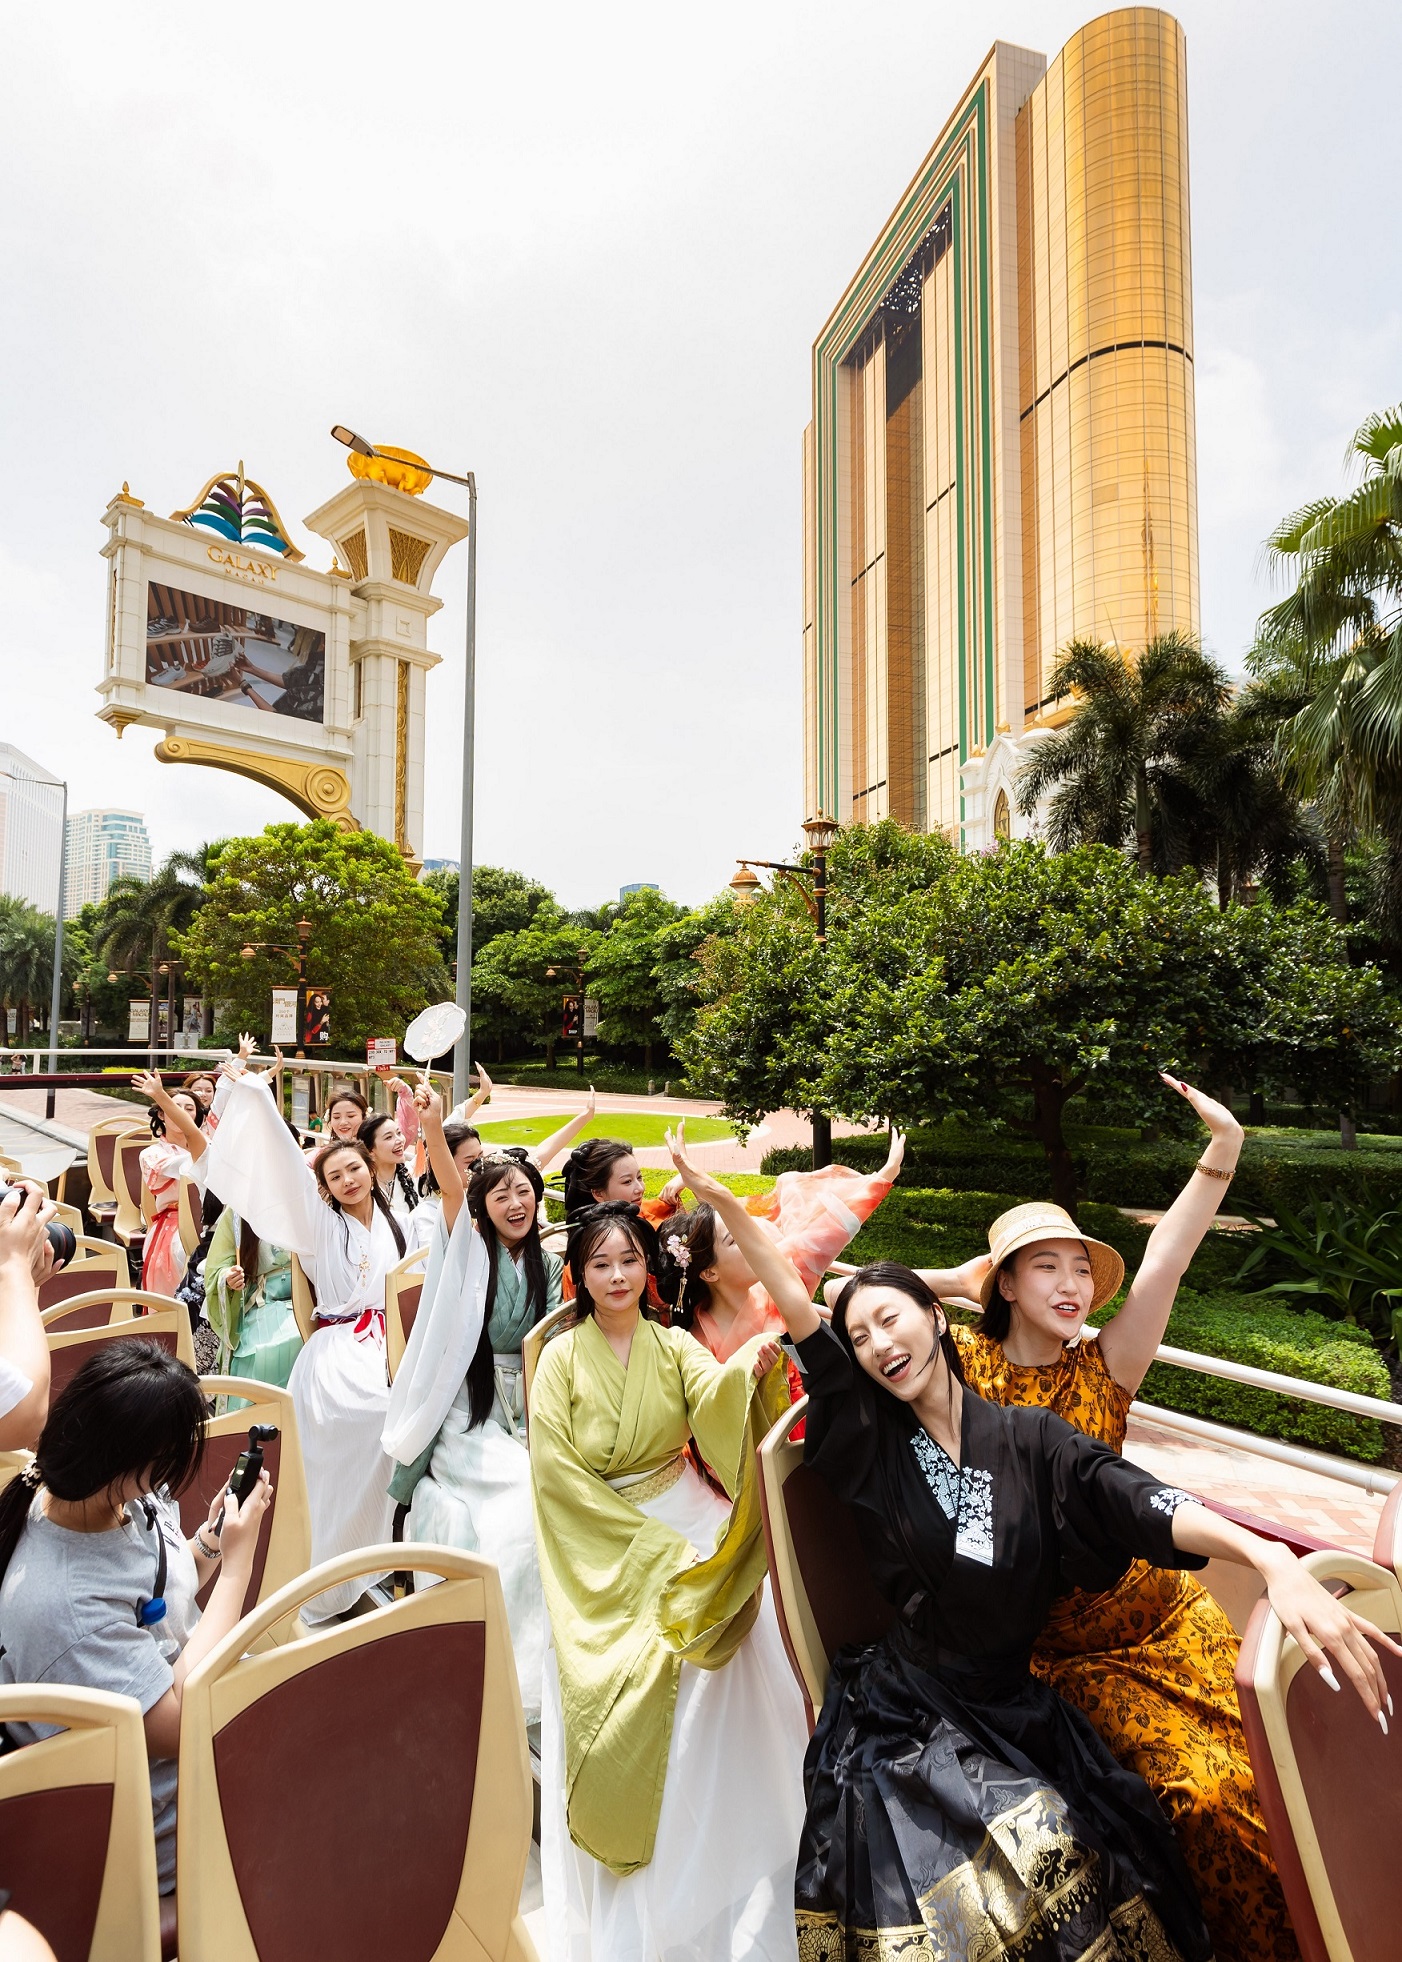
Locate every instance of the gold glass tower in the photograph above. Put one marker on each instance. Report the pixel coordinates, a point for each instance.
(1001, 456)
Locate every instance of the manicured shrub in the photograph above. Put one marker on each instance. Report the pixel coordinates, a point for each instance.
(1289, 1342)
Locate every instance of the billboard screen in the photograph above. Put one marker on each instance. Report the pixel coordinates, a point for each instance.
(236, 654)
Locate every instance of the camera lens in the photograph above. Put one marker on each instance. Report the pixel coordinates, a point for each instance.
(63, 1240)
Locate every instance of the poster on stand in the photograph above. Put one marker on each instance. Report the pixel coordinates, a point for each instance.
(284, 1016)
(381, 1052)
(139, 1021)
(192, 1021)
(316, 1017)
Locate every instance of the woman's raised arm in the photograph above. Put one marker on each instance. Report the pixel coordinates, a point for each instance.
(148, 1084)
(429, 1106)
(1129, 1340)
(256, 1166)
(770, 1267)
(549, 1149)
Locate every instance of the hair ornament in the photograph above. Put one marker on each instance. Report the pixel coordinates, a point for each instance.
(679, 1251)
(32, 1476)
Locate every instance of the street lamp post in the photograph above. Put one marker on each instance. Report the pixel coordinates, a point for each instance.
(462, 1058)
(577, 972)
(303, 930)
(810, 882)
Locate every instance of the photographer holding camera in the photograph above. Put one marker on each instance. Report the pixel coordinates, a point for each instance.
(27, 1257)
(97, 1579)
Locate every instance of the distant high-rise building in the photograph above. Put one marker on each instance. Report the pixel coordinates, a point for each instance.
(103, 846)
(643, 885)
(31, 829)
(1002, 453)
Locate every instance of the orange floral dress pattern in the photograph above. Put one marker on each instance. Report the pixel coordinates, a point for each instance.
(1150, 1663)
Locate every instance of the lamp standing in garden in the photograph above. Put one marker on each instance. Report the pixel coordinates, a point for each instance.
(811, 884)
(576, 973)
(462, 1060)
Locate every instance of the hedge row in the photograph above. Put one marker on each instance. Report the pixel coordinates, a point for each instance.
(1126, 1172)
(1289, 1341)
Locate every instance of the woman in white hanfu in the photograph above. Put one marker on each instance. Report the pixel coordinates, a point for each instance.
(332, 1216)
(456, 1418)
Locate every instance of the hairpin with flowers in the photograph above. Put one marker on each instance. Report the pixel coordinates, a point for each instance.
(679, 1251)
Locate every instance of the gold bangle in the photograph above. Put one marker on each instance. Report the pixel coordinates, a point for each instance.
(1211, 1172)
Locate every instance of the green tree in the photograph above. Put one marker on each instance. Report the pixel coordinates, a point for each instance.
(1331, 652)
(27, 963)
(753, 998)
(623, 973)
(502, 902)
(1121, 771)
(374, 940)
(1005, 984)
(515, 1003)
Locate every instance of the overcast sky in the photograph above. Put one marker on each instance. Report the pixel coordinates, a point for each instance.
(584, 252)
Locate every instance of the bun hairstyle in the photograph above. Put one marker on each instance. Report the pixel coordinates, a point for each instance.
(485, 1176)
(131, 1411)
(156, 1117)
(354, 1146)
(588, 1170)
(590, 1227)
(453, 1136)
(890, 1274)
(368, 1133)
(688, 1244)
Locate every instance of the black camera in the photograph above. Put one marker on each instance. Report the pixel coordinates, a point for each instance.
(250, 1462)
(61, 1238)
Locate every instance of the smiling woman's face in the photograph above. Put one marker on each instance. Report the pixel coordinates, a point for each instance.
(1051, 1286)
(615, 1274)
(895, 1340)
(346, 1176)
(511, 1208)
(344, 1118)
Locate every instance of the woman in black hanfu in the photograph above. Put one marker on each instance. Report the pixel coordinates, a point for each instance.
(956, 1806)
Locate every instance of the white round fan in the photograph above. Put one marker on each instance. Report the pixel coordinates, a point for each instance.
(435, 1031)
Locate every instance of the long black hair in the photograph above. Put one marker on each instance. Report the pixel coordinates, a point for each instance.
(688, 1244)
(453, 1135)
(487, 1175)
(587, 1172)
(367, 1134)
(131, 1411)
(592, 1226)
(319, 1167)
(890, 1274)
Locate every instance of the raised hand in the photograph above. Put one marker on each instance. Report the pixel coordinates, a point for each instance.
(1215, 1116)
(700, 1183)
(485, 1086)
(147, 1083)
(895, 1157)
(247, 1045)
(766, 1357)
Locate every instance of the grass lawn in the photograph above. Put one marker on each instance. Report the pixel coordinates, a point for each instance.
(640, 1128)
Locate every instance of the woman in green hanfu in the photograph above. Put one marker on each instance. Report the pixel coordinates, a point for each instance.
(672, 1733)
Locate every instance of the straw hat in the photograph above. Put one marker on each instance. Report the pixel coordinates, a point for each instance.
(1021, 1225)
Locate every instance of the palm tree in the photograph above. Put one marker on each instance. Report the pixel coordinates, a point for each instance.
(26, 960)
(1251, 828)
(1122, 770)
(1330, 653)
(139, 916)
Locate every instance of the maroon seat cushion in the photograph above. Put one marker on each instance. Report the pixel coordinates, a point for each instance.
(220, 1456)
(379, 1746)
(53, 1852)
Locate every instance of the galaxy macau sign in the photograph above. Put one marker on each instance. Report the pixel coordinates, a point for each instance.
(249, 659)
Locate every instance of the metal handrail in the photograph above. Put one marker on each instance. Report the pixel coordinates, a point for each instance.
(1286, 1386)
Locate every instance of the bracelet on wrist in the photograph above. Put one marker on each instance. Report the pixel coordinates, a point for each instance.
(215, 1552)
(1211, 1172)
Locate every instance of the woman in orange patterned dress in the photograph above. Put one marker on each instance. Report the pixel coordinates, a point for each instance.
(1151, 1661)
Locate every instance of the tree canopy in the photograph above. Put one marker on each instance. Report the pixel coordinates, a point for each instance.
(374, 929)
(1007, 983)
